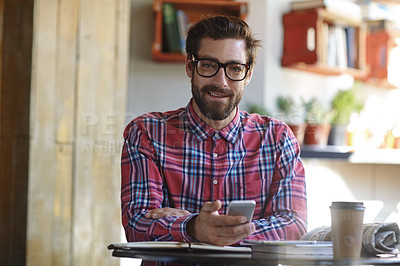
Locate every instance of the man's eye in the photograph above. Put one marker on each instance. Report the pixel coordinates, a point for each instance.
(236, 68)
(208, 64)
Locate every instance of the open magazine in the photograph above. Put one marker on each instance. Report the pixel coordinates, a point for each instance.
(296, 247)
(170, 245)
(249, 246)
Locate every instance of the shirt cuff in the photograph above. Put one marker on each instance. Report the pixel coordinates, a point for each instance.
(178, 229)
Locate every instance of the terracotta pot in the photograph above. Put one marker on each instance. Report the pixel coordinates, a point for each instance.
(397, 143)
(298, 131)
(317, 134)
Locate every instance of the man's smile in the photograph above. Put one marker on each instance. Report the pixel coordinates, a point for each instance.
(218, 93)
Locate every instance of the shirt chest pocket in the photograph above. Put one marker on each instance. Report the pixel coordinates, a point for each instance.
(256, 186)
(248, 187)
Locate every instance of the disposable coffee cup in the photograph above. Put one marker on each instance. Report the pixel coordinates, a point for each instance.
(347, 229)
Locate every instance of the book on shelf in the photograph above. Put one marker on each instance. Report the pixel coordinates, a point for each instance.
(323, 43)
(287, 247)
(183, 28)
(339, 47)
(341, 44)
(351, 45)
(171, 29)
(332, 47)
(183, 246)
(343, 7)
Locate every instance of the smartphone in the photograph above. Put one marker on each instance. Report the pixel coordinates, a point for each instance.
(242, 207)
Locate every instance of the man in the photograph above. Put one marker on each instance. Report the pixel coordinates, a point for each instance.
(180, 169)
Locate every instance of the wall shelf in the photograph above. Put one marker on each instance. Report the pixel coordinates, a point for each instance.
(380, 44)
(194, 10)
(308, 36)
(367, 156)
(326, 152)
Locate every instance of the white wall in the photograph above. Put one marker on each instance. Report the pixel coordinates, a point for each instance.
(376, 185)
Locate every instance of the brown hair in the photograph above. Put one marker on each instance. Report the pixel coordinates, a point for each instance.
(222, 27)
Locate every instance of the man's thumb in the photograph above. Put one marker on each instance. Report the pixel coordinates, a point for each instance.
(212, 206)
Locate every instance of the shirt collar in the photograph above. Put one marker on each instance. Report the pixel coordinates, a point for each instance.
(203, 131)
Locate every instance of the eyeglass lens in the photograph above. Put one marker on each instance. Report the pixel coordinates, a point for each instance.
(233, 71)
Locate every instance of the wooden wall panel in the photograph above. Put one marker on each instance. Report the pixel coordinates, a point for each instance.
(100, 107)
(67, 57)
(94, 85)
(43, 177)
(79, 93)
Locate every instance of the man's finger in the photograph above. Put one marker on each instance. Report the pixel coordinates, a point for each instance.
(165, 212)
(239, 230)
(229, 236)
(235, 219)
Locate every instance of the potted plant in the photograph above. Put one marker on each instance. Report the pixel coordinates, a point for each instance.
(343, 104)
(318, 123)
(292, 116)
(257, 108)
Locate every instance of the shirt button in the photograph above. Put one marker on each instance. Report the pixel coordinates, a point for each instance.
(215, 155)
(216, 135)
(215, 182)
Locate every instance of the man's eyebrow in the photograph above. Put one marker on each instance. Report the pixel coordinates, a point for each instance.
(216, 60)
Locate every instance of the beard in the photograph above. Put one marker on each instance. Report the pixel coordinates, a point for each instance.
(214, 110)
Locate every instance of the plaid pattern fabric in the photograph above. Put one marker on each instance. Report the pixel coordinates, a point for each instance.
(174, 159)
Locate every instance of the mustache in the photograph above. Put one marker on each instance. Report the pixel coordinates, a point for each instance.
(215, 89)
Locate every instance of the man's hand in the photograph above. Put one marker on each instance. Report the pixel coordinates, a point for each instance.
(165, 212)
(221, 230)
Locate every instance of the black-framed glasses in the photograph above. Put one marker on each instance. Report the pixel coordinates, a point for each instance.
(209, 68)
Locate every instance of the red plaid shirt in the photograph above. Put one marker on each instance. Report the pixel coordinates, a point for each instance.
(174, 159)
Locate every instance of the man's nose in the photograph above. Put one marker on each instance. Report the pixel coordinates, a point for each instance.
(221, 77)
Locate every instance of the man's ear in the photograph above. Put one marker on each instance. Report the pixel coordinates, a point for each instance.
(248, 77)
(189, 66)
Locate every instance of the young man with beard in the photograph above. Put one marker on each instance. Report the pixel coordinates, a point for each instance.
(181, 169)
